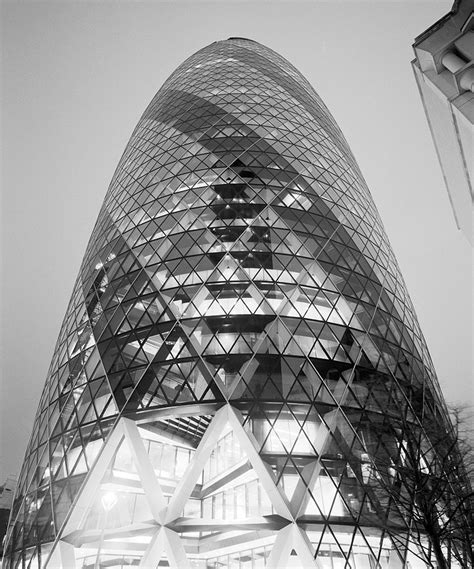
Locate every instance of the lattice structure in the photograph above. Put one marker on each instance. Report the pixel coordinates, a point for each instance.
(240, 379)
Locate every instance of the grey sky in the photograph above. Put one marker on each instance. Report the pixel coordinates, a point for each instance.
(76, 78)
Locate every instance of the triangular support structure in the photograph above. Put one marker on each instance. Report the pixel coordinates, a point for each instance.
(125, 430)
(165, 541)
(288, 539)
(226, 414)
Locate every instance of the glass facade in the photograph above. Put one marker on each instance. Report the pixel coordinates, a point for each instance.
(240, 380)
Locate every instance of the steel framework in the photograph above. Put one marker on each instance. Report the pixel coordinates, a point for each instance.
(240, 379)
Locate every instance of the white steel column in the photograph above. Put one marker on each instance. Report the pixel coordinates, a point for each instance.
(62, 557)
(93, 480)
(147, 476)
(289, 538)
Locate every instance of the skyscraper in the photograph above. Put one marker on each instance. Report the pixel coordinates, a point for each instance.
(240, 379)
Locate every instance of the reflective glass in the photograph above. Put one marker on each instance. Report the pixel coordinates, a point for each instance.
(240, 380)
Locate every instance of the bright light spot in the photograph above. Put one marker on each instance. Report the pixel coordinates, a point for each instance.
(109, 500)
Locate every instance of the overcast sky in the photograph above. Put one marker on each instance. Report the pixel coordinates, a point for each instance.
(76, 78)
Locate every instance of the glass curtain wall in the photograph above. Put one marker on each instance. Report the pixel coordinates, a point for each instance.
(240, 380)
